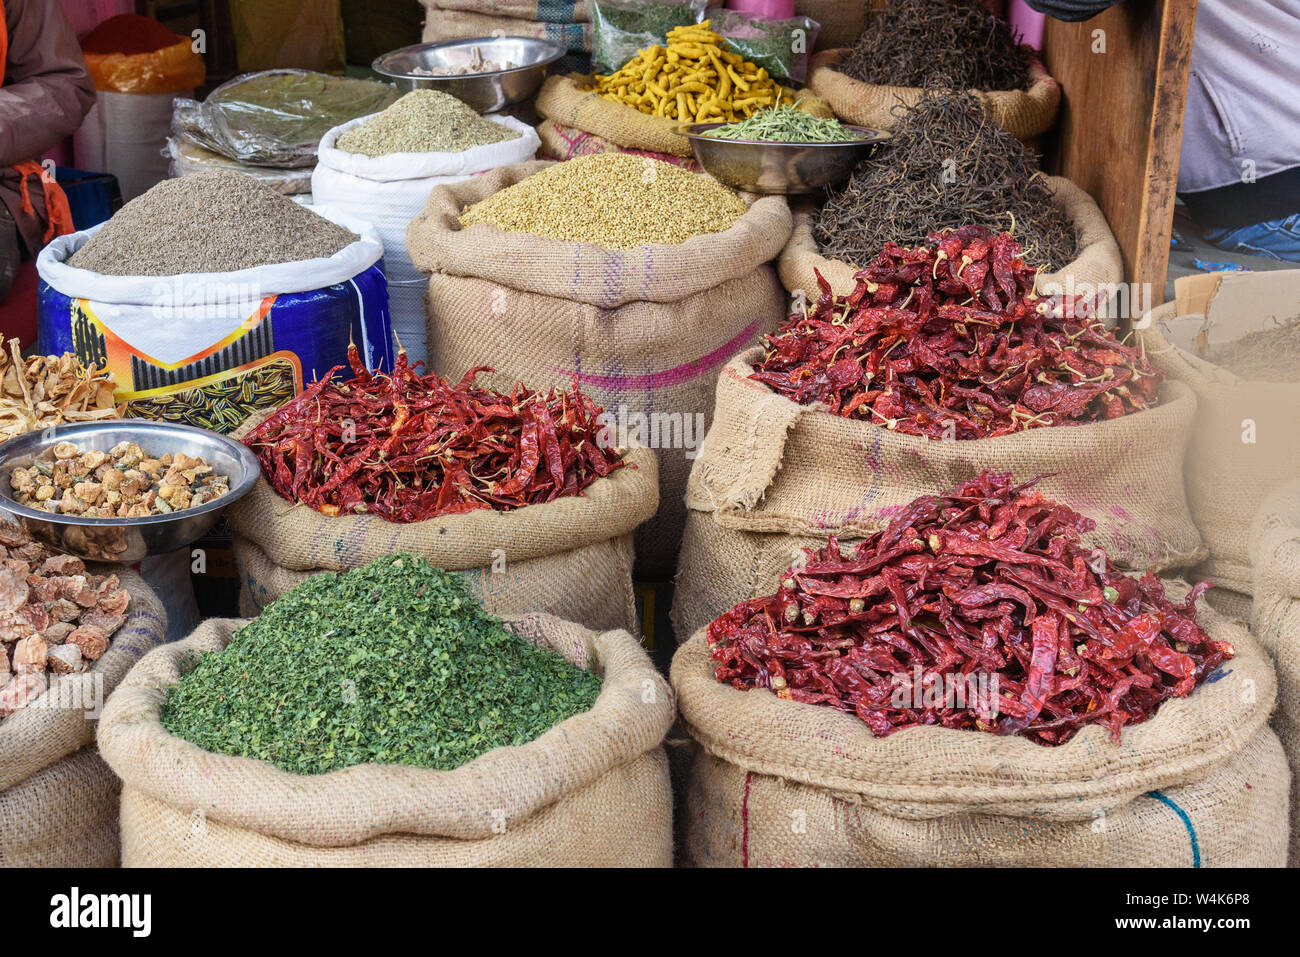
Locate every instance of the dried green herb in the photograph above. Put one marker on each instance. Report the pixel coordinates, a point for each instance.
(946, 165)
(622, 28)
(785, 123)
(919, 42)
(393, 663)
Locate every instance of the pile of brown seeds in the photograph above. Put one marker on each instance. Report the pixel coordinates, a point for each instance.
(423, 121)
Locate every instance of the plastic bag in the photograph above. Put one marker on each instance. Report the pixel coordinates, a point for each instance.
(277, 117)
(188, 158)
(168, 70)
(782, 47)
(622, 28)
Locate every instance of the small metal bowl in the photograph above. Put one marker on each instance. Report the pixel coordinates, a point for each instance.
(782, 168)
(128, 539)
(483, 92)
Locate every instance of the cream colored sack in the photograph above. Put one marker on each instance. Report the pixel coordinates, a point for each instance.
(1022, 113)
(565, 143)
(1245, 442)
(591, 792)
(564, 100)
(645, 331)
(1098, 263)
(460, 24)
(779, 784)
(1275, 618)
(774, 477)
(571, 557)
(58, 800)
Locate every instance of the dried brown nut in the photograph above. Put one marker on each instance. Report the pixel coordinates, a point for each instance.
(57, 632)
(36, 616)
(90, 640)
(13, 591)
(19, 567)
(29, 656)
(20, 691)
(113, 478)
(88, 492)
(63, 565)
(93, 459)
(11, 535)
(65, 450)
(65, 610)
(66, 659)
(115, 602)
(31, 552)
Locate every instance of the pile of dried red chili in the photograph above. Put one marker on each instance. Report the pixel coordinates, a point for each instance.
(986, 587)
(949, 340)
(407, 447)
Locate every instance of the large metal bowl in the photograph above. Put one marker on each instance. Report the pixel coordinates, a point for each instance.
(128, 539)
(782, 168)
(484, 92)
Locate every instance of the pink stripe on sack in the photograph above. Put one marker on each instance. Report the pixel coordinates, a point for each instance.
(668, 377)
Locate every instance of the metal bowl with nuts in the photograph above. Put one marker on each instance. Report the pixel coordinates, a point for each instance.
(460, 67)
(120, 490)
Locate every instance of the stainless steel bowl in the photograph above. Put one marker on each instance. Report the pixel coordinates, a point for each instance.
(128, 539)
(783, 168)
(484, 92)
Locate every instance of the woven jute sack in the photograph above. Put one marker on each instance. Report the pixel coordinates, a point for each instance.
(1275, 618)
(593, 791)
(446, 24)
(548, 11)
(564, 143)
(1022, 113)
(780, 783)
(565, 99)
(645, 331)
(1098, 264)
(1243, 446)
(58, 800)
(571, 557)
(774, 477)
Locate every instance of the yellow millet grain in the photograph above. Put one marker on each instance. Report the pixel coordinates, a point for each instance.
(613, 200)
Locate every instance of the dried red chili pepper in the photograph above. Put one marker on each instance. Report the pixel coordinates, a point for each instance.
(950, 340)
(407, 447)
(983, 589)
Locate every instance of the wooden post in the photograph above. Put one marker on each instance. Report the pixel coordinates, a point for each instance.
(1123, 77)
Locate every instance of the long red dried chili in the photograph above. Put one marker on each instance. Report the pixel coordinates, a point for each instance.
(407, 447)
(986, 588)
(950, 340)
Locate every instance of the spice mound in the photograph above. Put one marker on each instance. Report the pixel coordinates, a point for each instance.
(694, 78)
(220, 221)
(423, 121)
(129, 34)
(957, 43)
(945, 166)
(393, 663)
(976, 610)
(49, 390)
(950, 341)
(1266, 355)
(55, 617)
(406, 447)
(124, 482)
(613, 200)
(785, 123)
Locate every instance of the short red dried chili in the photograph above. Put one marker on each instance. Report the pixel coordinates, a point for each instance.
(950, 340)
(986, 588)
(407, 447)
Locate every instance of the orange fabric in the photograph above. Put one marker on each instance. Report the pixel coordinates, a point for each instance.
(56, 201)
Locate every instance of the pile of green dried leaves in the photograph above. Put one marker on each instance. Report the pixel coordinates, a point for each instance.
(947, 165)
(393, 663)
(920, 42)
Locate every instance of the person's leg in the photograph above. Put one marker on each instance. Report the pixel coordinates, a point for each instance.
(1277, 239)
(10, 251)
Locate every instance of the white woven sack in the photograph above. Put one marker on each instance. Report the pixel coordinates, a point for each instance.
(391, 190)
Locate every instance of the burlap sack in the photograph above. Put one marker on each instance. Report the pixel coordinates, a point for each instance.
(1022, 113)
(58, 800)
(1228, 477)
(593, 791)
(564, 100)
(446, 24)
(646, 331)
(564, 143)
(779, 783)
(1275, 618)
(571, 557)
(774, 477)
(1097, 265)
(549, 11)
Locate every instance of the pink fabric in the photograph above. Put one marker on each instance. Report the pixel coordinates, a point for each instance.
(773, 9)
(85, 15)
(1028, 22)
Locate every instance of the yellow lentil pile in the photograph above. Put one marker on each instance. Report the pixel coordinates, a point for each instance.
(694, 79)
(615, 200)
